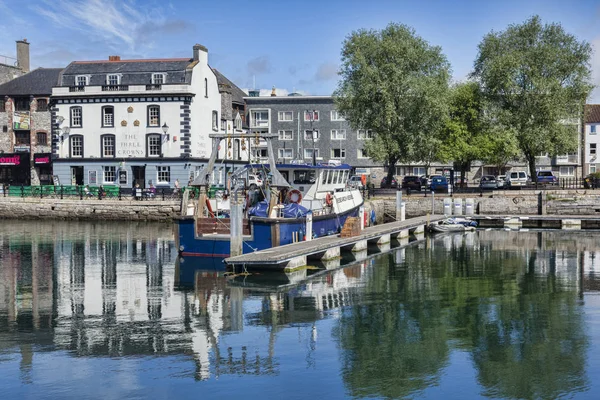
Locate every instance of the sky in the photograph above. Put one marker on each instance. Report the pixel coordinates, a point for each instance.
(287, 44)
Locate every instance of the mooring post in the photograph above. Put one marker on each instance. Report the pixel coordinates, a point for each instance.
(400, 212)
(432, 202)
(309, 233)
(361, 215)
(236, 223)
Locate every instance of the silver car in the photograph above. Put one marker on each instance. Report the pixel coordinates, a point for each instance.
(488, 182)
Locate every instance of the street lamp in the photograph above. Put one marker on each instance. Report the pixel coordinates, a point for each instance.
(312, 135)
(165, 129)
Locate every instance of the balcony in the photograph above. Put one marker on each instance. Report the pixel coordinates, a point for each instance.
(115, 88)
(154, 87)
(567, 159)
(259, 123)
(76, 89)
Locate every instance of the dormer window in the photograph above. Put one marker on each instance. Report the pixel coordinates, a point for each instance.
(81, 80)
(238, 122)
(113, 79)
(158, 79)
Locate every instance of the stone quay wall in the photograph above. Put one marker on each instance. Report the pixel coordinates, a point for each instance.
(89, 209)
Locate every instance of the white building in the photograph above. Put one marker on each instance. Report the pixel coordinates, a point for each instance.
(591, 130)
(122, 122)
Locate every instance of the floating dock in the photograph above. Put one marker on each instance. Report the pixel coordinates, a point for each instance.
(566, 222)
(326, 248)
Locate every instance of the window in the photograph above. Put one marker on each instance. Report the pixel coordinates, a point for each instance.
(592, 149)
(286, 153)
(260, 118)
(238, 122)
(337, 116)
(286, 135)
(363, 134)
(108, 116)
(158, 79)
(308, 135)
(42, 105)
(76, 117)
(362, 153)
(567, 171)
(592, 168)
(113, 79)
(42, 138)
(76, 145)
(215, 120)
(108, 145)
(592, 129)
(154, 145)
(163, 175)
(153, 115)
(22, 137)
(286, 116)
(110, 174)
(2, 104)
(338, 134)
(338, 153)
(418, 171)
(205, 87)
(81, 80)
(22, 104)
(311, 115)
(309, 152)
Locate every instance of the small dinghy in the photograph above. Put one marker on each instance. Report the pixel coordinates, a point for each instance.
(453, 225)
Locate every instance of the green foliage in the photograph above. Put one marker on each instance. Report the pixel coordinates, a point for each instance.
(539, 76)
(395, 83)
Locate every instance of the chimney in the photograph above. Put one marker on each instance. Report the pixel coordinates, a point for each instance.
(200, 54)
(23, 55)
(114, 58)
(273, 94)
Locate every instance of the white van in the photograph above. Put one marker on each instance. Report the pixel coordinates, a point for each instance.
(516, 179)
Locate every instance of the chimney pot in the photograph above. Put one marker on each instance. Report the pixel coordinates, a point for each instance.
(273, 93)
(114, 58)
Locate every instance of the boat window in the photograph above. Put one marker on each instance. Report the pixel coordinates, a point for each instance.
(304, 177)
(285, 175)
(329, 177)
(338, 175)
(324, 175)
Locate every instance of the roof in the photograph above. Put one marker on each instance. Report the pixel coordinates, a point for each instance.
(37, 82)
(132, 71)
(592, 113)
(237, 94)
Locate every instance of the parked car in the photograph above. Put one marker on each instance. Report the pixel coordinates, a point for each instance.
(546, 178)
(439, 183)
(411, 182)
(488, 182)
(355, 182)
(393, 184)
(501, 181)
(254, 181)
(516, 179)
(425, 181)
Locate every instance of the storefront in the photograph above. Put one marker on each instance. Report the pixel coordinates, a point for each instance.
(15, 169)
(43, 166)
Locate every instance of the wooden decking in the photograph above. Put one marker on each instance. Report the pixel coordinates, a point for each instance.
(283, 255)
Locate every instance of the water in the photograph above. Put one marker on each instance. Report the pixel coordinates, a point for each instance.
(91, 310)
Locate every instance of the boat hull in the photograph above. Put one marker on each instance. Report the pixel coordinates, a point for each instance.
(265, 233)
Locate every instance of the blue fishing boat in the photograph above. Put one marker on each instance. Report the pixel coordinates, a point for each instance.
(295, 202)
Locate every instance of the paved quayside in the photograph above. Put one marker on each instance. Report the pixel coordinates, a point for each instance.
(329, 247)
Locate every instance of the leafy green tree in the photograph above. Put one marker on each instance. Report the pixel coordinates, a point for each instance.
(499, 146)
(394, 83)
(539, 75)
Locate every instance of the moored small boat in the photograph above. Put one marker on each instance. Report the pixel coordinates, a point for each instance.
(454, 224)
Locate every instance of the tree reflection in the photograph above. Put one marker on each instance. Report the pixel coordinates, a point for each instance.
(524, 330)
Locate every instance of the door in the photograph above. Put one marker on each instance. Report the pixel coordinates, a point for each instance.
(138, 173)
(76, 175)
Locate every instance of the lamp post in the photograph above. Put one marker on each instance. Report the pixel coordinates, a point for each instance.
(165, 129)
(312, 135)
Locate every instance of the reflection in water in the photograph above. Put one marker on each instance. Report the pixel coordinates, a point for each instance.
(513, 302)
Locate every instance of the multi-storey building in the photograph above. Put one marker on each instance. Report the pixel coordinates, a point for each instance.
(308, 127)
(127, 122)
(591, 142)
(25, 139)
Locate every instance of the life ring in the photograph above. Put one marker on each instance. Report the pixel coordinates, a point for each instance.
(209, 207)
(294, 196)
(329, 199)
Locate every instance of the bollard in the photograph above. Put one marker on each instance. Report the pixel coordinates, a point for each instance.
(309, 219)
(458, 206)
(432, 202)
(361, 216)
(447, 206)
(469, 207)
(399, 205)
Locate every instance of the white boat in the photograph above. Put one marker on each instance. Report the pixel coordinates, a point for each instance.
(454, 224)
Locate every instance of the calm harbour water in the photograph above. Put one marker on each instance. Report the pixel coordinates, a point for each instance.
(98, 310)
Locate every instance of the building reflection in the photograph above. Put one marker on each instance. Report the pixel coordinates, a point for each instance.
(96, 290)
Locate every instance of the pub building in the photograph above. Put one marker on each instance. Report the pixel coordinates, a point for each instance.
(25, 124)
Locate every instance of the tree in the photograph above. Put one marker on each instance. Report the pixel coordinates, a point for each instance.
(394, 83)
(465, 130)
(500, 146)
(539, 75)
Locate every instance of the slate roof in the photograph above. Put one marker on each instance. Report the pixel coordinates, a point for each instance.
(592, 113)
(35, 83)
(133, 72)
(237, 94)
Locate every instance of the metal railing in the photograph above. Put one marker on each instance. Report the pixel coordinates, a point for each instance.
(85, 192)
(115, 88)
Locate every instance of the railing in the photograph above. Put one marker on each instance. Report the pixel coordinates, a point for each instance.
(107, 192)
(154, 87)
(76, 89)
(115, 88)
